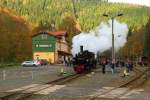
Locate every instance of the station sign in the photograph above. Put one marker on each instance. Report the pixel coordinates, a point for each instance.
(43, 45)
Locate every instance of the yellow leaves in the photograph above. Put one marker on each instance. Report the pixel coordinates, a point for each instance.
(25, 17)
(15, 36)
(13, 1)
(3, 9)
(25, 2)
(135, 44)
(65, 14)
(78, 26)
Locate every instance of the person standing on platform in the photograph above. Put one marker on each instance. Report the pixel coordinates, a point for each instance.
(113, 67)
(130, 64)
(104, 66)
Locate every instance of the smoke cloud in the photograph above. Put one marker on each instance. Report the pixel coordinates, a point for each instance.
(100, 39)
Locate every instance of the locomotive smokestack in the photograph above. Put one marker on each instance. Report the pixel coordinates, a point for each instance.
(81, 48)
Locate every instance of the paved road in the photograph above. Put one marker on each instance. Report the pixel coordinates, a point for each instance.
(17, 77)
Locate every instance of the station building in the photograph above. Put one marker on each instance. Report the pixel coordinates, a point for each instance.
(51, 46)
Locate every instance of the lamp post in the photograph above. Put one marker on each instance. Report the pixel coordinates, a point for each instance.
(113, 45)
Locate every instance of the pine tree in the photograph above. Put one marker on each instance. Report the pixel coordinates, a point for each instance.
(129, 33)
(147, 40)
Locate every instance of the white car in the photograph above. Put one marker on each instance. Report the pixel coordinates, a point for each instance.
(31, 63)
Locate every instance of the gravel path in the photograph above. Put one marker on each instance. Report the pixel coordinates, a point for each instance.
(85, 86)
(78, 89)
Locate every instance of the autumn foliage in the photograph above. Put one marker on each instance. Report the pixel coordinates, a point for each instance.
(15, 41)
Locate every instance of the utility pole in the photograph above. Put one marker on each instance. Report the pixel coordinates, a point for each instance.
(113, 44)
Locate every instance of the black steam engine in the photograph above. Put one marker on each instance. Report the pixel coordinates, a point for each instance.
(84, 61)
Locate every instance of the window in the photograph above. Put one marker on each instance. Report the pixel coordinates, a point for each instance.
(44, 36)
(63, 39)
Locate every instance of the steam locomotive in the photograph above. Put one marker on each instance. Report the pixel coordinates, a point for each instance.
(84, 61)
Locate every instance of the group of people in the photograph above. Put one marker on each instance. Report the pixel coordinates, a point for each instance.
(108, 62)
(68, 62)
(128, 65)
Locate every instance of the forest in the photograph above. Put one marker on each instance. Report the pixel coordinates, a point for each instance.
(20, 19)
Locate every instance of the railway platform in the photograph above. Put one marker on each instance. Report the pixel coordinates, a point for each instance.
(23, 76)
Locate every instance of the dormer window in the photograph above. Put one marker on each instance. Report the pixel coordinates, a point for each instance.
(44, 36)
(63, 39)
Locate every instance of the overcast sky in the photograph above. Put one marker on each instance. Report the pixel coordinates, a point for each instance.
(140, 2)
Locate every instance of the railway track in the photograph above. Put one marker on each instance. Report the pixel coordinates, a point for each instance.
(23, 94)
(140, 78)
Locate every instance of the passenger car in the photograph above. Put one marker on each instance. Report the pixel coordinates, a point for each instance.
(31, 63)
(43, 62)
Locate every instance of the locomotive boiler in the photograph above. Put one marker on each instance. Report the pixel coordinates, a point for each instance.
(84, 61)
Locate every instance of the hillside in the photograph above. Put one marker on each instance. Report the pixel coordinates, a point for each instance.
(48, 12)
(59, 15)
(15, 37)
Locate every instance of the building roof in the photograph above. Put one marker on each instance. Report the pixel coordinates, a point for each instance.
(56, 34)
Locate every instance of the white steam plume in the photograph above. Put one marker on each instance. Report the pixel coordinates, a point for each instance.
(101, 39)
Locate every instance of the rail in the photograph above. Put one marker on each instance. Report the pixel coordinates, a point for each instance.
(21, 95)
(140, 74)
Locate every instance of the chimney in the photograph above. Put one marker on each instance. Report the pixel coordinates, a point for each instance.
(81, 48)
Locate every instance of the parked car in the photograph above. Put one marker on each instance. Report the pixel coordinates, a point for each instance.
(30, 63)
(43, 62)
